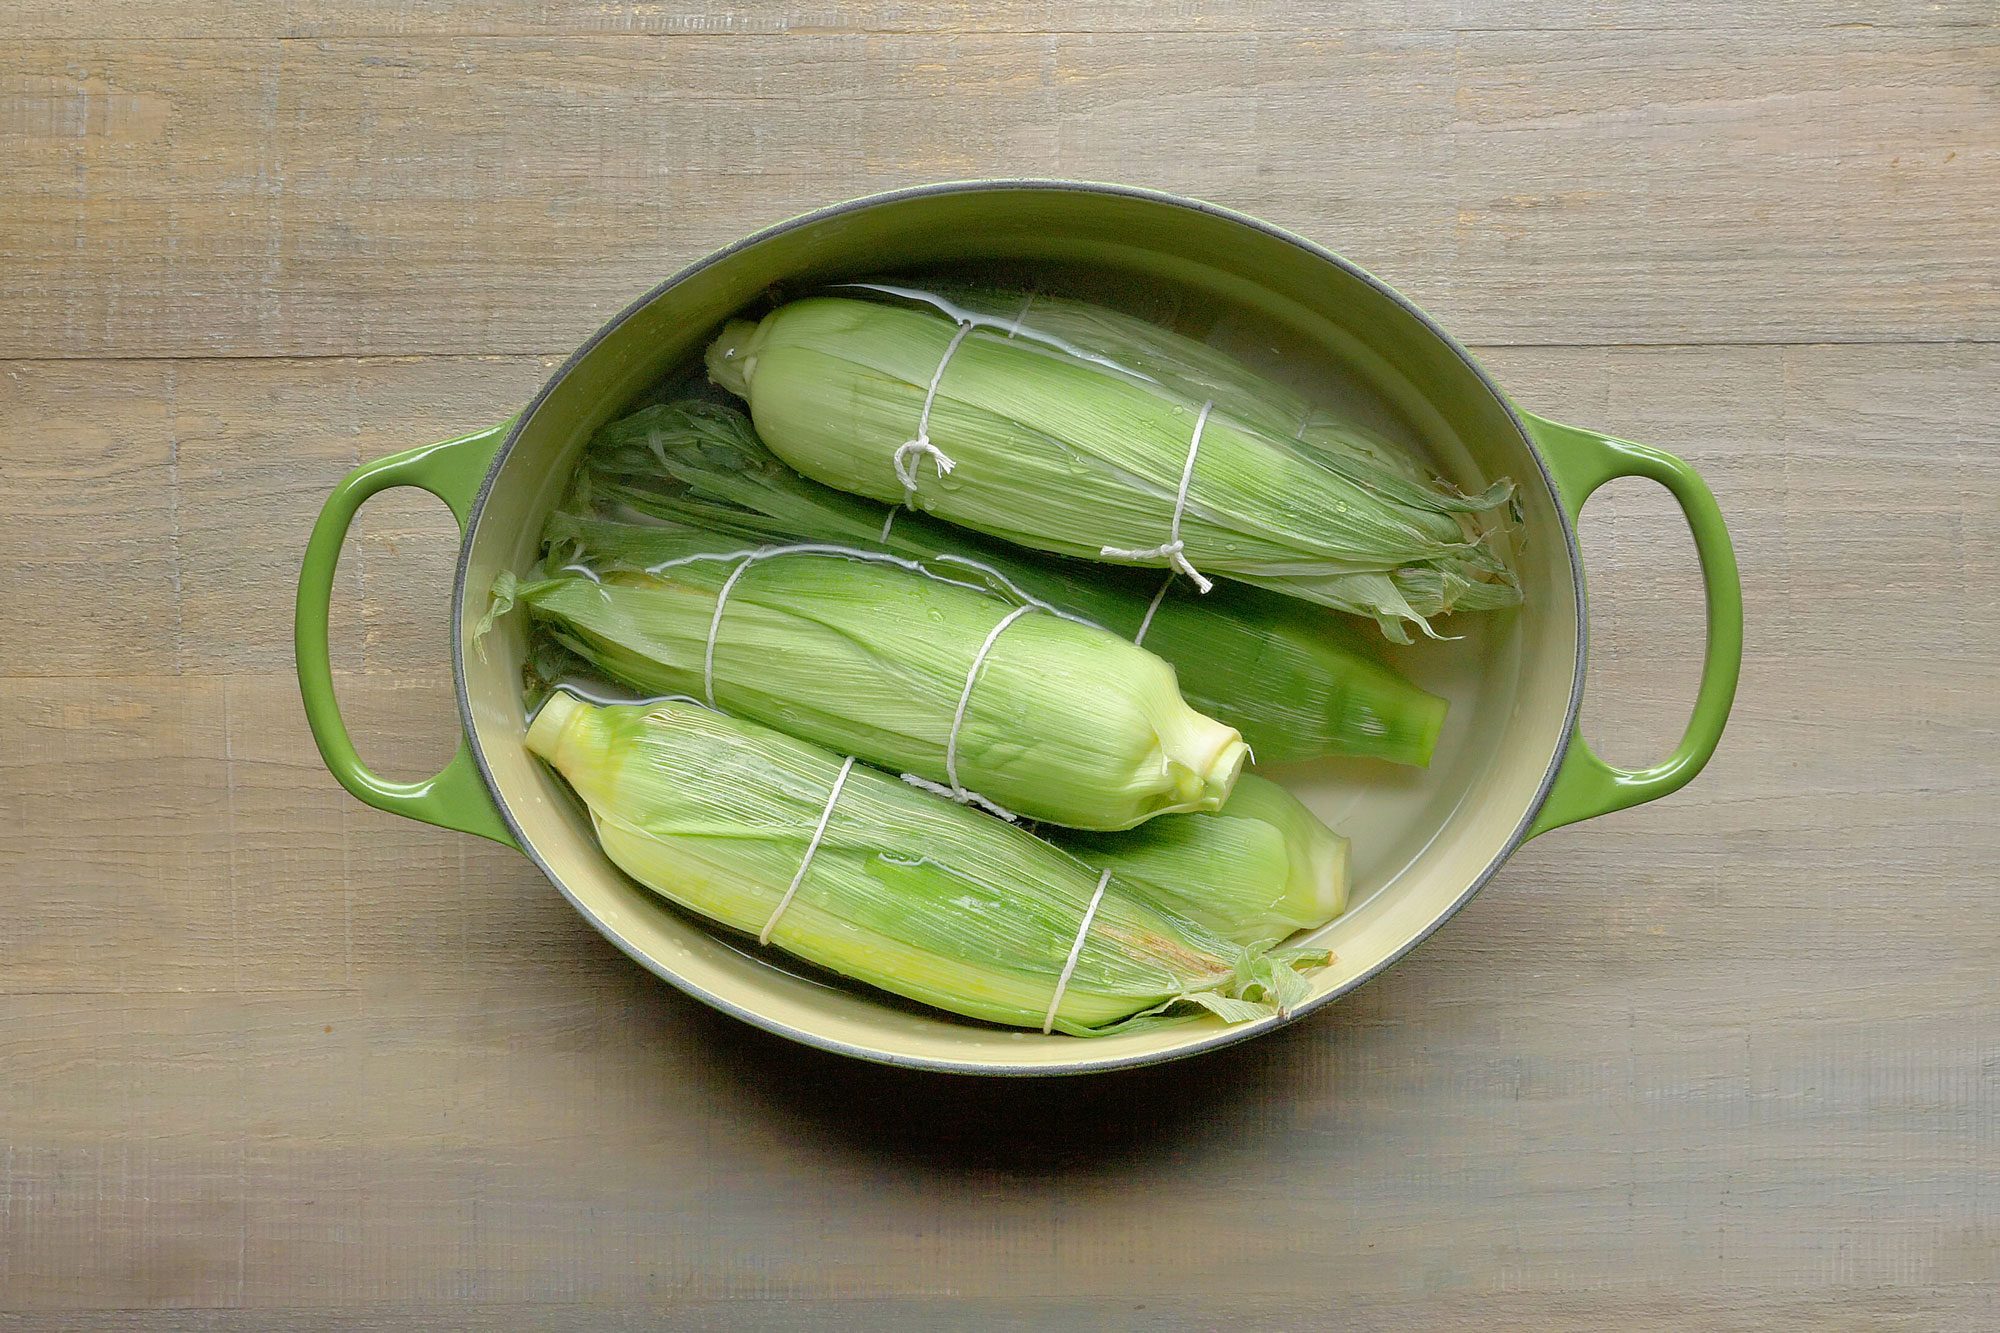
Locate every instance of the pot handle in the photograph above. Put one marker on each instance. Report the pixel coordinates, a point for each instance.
(452, 471)
(1586, 786)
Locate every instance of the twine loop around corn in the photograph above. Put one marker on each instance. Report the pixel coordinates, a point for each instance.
(1173, 550)
(912, 452)
(750, 558)
(791, 891)
(955, 790)
(965, 697)
(1075, 952)
(715, 622)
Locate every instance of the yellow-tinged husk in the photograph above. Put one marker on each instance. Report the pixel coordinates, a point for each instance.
(904, 891)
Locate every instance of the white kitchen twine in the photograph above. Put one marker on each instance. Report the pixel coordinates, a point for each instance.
(715, 621)
(910, 453)
(750, 557)
(764, 936)
(1146, 623)
(955, 791)
(1015, 327)
(958, 791)
(1175, 550)
(888, 521)
(1075, 952)
(965, 798)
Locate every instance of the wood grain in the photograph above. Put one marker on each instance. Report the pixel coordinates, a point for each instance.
(427, 194)
(271, 1059)
(152, 20)
(719, 19)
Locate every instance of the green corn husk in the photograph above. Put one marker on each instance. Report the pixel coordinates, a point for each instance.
(1065, 722)
(1298, 683)
(1199, 373)
(905, 891)
(1137, 347)
(1066, 453)
(1255, 871)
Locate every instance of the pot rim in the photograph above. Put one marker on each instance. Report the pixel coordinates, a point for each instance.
(1228, 1036)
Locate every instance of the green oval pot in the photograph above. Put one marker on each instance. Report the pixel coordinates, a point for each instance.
(1511, 764)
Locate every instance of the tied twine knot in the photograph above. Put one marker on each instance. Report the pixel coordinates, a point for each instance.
(913, 451)
(1173, 550)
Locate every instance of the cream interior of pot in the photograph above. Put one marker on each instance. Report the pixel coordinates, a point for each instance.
(1422, 839)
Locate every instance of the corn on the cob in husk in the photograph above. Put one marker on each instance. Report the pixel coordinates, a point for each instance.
(1065, 451)
(1022, 709)
(1198, 373)
(1256, 871)
(1297, 682)
(884, 884)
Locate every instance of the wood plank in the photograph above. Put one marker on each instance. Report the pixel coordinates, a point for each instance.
(152, 20)
(180, 833)
(78, 452)
(418, 195)
(501, 1146)
(1917, 1307)
(164, 507)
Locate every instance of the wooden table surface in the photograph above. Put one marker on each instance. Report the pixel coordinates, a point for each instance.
(271, 1059)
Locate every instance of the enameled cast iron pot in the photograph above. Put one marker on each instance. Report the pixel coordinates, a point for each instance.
(1510, 765)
